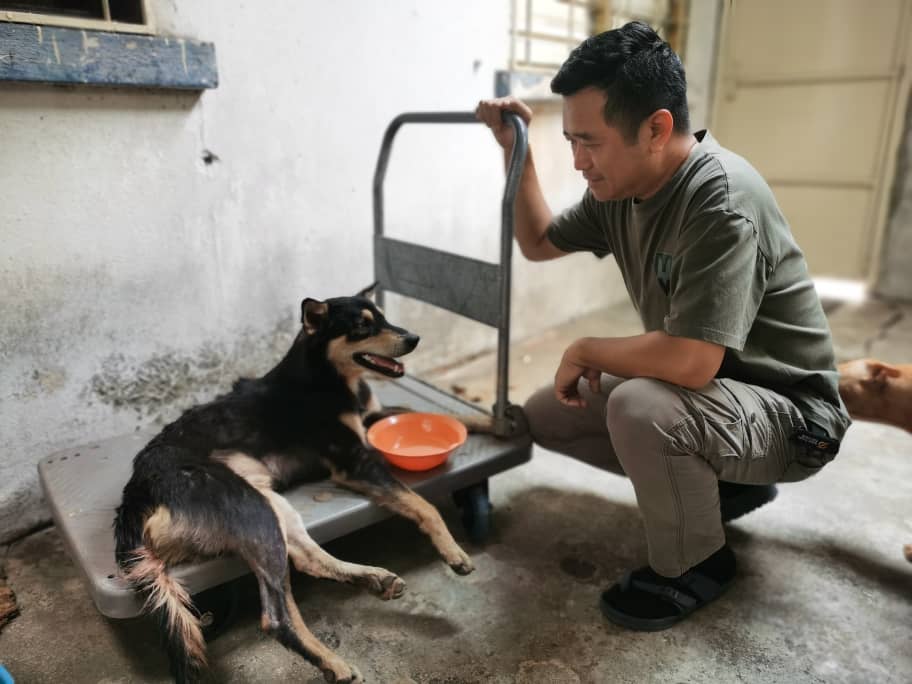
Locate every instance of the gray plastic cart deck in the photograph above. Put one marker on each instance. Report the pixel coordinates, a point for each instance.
(83, 486)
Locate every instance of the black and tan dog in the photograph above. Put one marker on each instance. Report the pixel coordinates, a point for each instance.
(209, 482)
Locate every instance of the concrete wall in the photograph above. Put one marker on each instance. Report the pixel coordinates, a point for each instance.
(135, 278)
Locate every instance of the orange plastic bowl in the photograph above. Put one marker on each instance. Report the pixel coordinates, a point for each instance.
(417, 441)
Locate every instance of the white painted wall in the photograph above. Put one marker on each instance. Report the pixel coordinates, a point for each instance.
(135, 279)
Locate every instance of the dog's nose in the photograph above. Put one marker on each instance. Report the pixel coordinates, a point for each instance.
(411, 341)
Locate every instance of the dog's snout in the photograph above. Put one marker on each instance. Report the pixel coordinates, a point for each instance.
(411, 341)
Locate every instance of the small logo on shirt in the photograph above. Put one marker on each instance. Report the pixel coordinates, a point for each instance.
(663, 270)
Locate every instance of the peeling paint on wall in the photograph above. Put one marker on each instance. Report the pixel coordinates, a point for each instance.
(170, 381)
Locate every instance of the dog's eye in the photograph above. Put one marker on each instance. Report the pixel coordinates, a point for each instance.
(362, 328)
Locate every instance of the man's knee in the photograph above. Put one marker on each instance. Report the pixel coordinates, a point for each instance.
(541, 410)
(639, 400)
(639, 413)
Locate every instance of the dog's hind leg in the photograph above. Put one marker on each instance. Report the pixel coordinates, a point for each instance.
(259, 537)
(281, 618)
(308, 557)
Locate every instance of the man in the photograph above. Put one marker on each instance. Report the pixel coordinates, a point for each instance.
(732, 387)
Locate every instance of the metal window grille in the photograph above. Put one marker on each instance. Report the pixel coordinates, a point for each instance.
(545, 31)
(667, 17)
(124, 16)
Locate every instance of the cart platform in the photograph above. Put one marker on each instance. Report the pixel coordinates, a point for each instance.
(84, 484)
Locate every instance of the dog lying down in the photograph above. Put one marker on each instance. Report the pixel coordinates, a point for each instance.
(210, 482)
(880, 392)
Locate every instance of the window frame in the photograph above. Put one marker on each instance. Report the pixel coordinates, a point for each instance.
(66, 21)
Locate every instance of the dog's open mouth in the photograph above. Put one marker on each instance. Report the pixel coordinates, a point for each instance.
(381, 364)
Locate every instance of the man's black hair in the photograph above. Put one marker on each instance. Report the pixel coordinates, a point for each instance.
(638, 72)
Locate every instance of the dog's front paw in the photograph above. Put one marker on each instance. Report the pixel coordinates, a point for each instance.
(383, 583)
(337, 671)
(391, 587)
(461, 563)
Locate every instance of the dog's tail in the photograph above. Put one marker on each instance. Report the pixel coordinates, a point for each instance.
(166, 599)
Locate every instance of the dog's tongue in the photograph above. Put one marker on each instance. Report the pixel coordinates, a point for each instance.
(384, 362)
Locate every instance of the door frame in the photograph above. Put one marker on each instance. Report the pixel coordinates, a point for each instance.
(889, 142)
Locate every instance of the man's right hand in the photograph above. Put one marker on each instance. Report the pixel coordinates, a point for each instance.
(490, 113)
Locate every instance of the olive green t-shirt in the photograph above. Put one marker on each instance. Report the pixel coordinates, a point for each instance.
(711, 257)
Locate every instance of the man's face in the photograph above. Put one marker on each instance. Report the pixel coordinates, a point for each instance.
(614, 168)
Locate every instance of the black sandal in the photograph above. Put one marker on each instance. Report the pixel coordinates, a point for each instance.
(648, 602)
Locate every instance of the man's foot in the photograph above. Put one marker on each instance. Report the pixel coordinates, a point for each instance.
(646, 601)
(737, 499)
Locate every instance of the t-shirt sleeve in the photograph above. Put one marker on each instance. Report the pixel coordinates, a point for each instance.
(578, 229)
(717, 280)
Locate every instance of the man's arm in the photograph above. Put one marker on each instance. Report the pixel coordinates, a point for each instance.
(532, 215)
(681, 361)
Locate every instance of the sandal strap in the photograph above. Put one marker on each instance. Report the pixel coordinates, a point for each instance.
(703, 586)
(690, 590)
(679, 599)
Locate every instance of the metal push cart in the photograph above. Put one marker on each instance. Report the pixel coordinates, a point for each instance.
(83, 484)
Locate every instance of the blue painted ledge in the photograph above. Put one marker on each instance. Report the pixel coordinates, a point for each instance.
(48, 54)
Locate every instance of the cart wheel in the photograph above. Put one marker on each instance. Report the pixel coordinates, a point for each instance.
(476, 511)
(217, 608)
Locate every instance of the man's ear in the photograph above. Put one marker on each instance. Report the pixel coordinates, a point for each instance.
(313, 314)
(659, 128)
(368, 291)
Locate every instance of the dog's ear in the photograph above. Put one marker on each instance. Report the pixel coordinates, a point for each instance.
(313, 314)
(879, 369)
(369, 291)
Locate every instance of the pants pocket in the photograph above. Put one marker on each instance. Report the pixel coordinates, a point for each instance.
(725, 438)
(738, 437)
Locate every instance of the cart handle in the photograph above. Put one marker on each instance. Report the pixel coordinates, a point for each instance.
(502, 423)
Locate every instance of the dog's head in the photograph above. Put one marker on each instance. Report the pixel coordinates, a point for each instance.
(355, 335)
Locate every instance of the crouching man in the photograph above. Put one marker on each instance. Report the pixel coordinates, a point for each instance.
(732, 387)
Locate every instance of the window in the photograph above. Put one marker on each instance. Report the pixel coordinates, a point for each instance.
(667, 17)
(99, 43)
(543, 32)
(123, 16)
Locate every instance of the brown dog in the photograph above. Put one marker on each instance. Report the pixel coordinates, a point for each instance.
(879, 392)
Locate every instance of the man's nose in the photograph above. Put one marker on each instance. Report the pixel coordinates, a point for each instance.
(581, 158)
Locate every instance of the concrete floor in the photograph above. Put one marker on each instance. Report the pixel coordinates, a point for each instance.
(824, 593)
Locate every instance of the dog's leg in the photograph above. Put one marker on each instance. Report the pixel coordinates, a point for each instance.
(282, 620)
(363, 470)
(308, 557)
(267, 556)
(398, 498)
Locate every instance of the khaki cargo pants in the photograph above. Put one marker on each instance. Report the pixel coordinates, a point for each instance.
(675, 444)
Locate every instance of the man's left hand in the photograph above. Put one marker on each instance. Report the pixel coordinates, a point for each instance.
(569, 372)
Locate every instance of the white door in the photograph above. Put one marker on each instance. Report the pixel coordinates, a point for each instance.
(812, 94)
